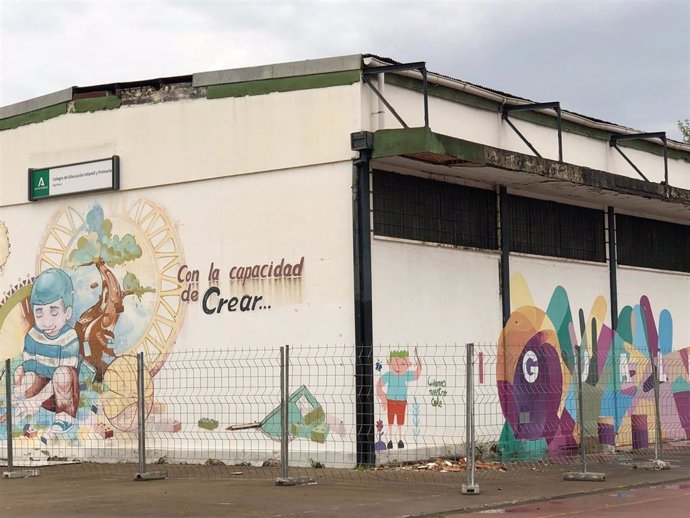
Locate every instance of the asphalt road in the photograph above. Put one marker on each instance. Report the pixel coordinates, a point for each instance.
(669, 501)
(110, 491)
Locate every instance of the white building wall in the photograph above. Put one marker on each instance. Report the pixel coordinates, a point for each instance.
(536, 278)
(432, 300)
(189, 140)
(665, 290)
(223, 366)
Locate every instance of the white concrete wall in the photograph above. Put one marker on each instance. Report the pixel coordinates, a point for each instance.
(584, 282)
(433, 300)
(189, 140)
(665, 290)
(427, 294)
(222, 366)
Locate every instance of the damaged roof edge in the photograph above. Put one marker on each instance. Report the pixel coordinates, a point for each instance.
(30, 111)
(419, 141)
(279, 70)
(231, 76)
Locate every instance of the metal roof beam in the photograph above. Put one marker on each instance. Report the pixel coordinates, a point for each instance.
(554, 105)
(661, 135)
(400, 67)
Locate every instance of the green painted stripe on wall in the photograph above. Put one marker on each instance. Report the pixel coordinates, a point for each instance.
(109, 102)
(450, 94)
(283, 84)
(34, 116)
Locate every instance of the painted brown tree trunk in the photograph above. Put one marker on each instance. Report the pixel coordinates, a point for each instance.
(97, 323)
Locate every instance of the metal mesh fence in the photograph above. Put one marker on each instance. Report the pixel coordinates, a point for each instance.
(220, 413)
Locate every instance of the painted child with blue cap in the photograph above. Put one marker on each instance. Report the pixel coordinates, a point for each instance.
(48, 376)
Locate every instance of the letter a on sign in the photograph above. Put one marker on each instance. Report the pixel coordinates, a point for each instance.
(41, 183)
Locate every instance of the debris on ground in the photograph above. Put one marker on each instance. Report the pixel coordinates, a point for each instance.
(442, 465)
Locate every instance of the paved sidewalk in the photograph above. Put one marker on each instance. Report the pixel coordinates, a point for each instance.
(97, 490)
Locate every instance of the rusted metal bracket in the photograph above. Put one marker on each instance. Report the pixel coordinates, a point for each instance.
(420, 66)
(613, 142)
(556, 106)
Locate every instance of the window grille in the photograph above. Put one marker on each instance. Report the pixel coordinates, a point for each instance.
(419, 209)
(555, 229)
(652, 244)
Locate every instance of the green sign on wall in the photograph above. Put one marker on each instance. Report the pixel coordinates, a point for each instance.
(96, 175)
(40, 184)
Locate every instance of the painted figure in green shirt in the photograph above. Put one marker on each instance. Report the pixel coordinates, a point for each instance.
(391, 389)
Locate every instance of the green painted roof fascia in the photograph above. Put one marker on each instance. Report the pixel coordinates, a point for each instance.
(283, 84)
(396, 142)
(109, 102)
(450, 94)
(34, 116)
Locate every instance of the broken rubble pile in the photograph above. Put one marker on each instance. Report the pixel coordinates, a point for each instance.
(443, 465)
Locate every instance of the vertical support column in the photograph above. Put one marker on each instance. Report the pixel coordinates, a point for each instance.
(666, 186)
(560, 134)
(364, 353)
(505, 252)
(613, 295)
(470, 488)
(141, 421)
(425, 84)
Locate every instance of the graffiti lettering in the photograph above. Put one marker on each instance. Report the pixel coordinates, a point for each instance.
(530, 366)
(213, 274)
(263, 271)
(190, 293)
(212, 302)
(184, 274)
(437, 393)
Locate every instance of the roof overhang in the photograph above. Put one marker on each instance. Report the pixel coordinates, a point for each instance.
(420, 150)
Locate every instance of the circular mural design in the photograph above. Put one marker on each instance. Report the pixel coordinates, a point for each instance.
(4, 245)
(123, 261)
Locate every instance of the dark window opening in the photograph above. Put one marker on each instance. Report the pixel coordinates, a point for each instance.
(414, 208)
(652, 244)
(555, 229)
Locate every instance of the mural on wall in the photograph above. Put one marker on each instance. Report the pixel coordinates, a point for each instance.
(4, 245)
(537, 375)
(105, 289)
(307, 419)
(391, 391)
(110, 281)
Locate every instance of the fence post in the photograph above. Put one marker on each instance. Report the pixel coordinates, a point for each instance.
(141, 429)
(657, 463)
(8, 416)
(284, 391)
(581, 413)
(11, 473)
(284, 479)
(582, 475)
(470, 488)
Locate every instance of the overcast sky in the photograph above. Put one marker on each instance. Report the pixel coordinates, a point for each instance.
(624, 61)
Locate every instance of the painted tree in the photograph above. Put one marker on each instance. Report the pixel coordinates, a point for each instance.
(100, 248)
